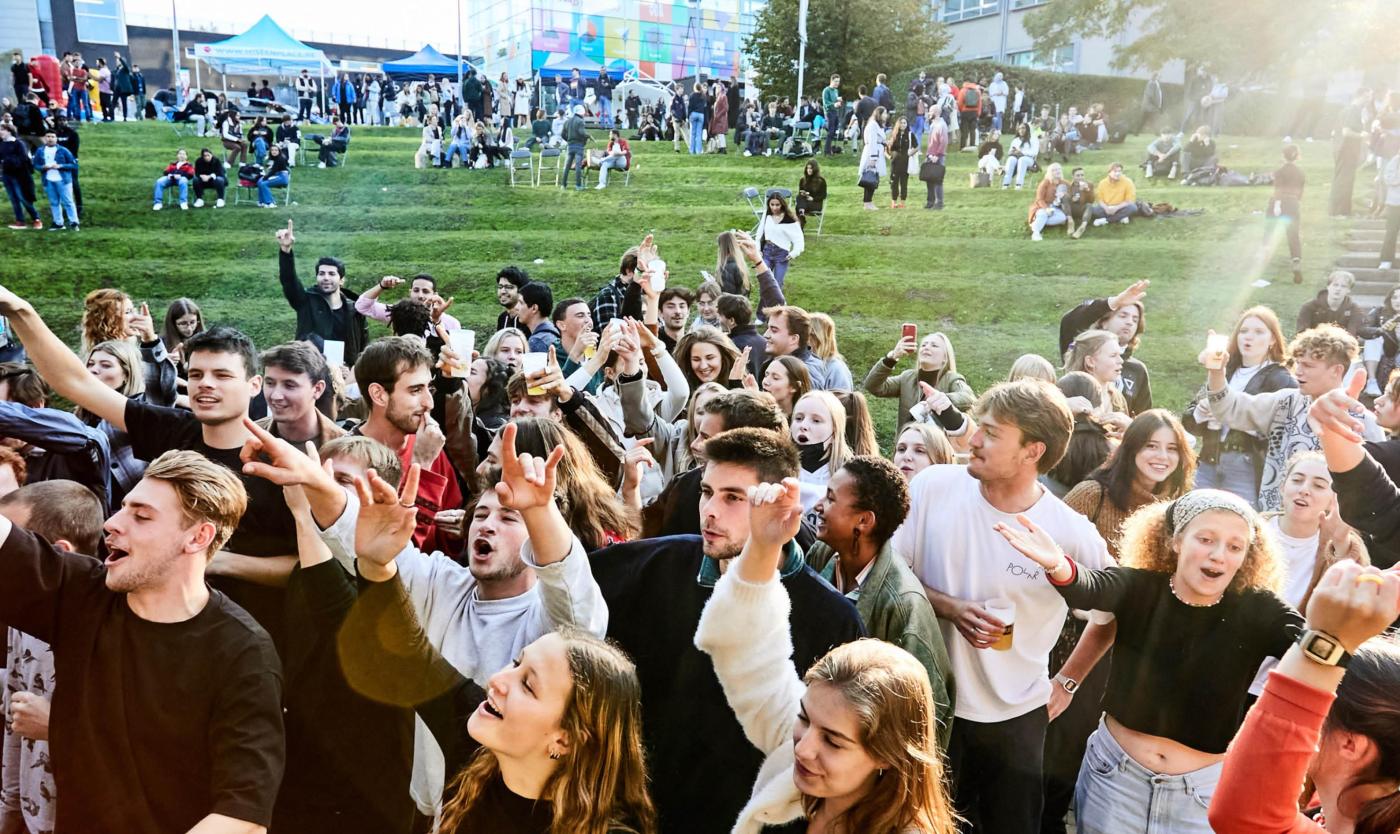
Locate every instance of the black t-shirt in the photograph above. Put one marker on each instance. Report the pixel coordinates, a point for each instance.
(266, 529)
(505, 319)
(156, 725)
(1197, 663)
(500, 811)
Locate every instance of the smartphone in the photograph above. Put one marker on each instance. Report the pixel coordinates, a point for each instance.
(910, 331)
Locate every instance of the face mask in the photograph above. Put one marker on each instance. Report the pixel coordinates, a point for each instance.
(813, 455)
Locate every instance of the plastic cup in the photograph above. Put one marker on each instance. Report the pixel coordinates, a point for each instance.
(1005, 610)
(463, 343)
(531, 364)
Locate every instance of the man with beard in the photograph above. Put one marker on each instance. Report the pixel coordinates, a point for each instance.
(295, 377)
(170, 718)
(508, 283)
(223, 378)
(395, 378)
(702, 766)
(1124, 316)
(326, 309)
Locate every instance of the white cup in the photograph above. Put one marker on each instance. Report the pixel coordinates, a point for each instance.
(657, 270)
(531, 364)
(1005, 610)
(463, 343)
(1217, 343)
(334, 353)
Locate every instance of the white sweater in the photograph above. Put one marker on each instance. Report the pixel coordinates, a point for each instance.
(784, 235)
(744, 629)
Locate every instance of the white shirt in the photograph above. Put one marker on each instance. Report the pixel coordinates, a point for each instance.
(783, 235)
(950, 539)
(50, 158)
(1299, 558)
(839, 581)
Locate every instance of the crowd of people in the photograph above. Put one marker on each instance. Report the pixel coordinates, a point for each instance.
(635, 560)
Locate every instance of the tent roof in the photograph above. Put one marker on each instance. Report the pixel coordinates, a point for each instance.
(424, 61)
(561, 64)
(264, 47)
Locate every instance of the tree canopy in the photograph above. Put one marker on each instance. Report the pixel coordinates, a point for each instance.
(853, 38)
(1240, 40)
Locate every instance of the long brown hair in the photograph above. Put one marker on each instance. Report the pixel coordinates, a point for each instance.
(889, 692)
(1278, 351)
(1120, 471)
(799, 378)
(1367, 705)
(728, 352)
(586, 499)
(1147, 544)
(104, 317)
(860, 428)
(601, 785)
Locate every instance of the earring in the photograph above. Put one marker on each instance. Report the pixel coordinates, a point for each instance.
(554, 757)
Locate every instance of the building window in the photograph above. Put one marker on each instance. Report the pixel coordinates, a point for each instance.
(955, 10)
(100, 21)
(1058, 60)
(1026, 4)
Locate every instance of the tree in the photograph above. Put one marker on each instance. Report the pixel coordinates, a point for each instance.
(1238, 40)
(853, 38)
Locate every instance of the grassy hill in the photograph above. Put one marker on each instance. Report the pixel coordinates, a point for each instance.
(970, 271)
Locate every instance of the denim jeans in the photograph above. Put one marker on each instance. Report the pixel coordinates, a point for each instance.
(1051, 216)
(20, 190)
(265, 186)
(610, 163)
(697, 133)
(572, 163)
(61, 201)
(260, 149)
(1234, 473)
(1017, 165)
(463, 148)
(775, 258)
(165, 181)
(605, 112)
(1097, 210)
(1116, 794)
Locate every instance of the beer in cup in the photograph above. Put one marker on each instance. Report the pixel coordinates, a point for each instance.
(1004, 610)
(533, 363)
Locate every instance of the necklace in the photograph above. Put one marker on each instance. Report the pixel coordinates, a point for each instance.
(1171, 583)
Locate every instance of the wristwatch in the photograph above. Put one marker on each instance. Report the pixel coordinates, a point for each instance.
(1067, 683)
(1321, 647)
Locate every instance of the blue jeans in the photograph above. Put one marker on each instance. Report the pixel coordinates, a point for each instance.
(164, 181)
(265, 186)
(20, 190)
(604, 111)
(776, 259)
(1116, 794)
(1017, 165)
(697, 132)
(574, 162)
(452, 150)
(610, 163)
(61, 201)
(1123, 213)
(79, 105)
(1234, 473)
(260, 149)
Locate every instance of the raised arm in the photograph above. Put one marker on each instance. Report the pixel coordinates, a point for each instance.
(58, 365)
(292, 289)
(878, 382)
(1084, 588)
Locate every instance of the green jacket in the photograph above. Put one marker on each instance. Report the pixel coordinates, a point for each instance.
(829, 96)
(905, 385)
(894, 608)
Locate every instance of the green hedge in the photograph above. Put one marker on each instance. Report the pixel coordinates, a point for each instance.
(1250, 113)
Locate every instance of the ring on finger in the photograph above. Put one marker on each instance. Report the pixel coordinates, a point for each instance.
(1370, 577)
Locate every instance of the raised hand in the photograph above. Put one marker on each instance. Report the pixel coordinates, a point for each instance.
(748, 246)
(1033, 543)
(429, 440)
(750, 383)
(740, 368)
(1354, 603)
(634, 465)
(386, 521)
(775, 512)
(388, 282)
(278, 461)
(905, 346)
(1132, 295)
(646, 252)
(1210, 358)
(285, 238)
(1338, 412)
(527, 482)
(436, 306)
(141, 324)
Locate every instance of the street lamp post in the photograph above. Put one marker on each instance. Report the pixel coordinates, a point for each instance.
(175, 63)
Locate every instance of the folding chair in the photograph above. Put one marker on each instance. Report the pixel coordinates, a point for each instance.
(750, 194)
(521, 159)
(247, 191)
(821, 218)
(558, 157)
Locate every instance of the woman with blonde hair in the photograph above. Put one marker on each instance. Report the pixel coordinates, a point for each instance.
(117, 364)
(1197, 603)
(919, 446)
(110, 315)
(1032, 366)
(819, 429)
(506, 346)
(852, 745)
(1099, 354)
(936, 367)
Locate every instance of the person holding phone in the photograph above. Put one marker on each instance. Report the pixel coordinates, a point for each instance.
(936, 367)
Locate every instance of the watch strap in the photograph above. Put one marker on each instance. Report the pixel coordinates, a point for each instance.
(1067, 683)
(1321, 647)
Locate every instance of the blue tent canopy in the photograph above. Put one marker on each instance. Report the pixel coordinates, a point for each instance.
(424, 62)
(563, 65)
(264, 48)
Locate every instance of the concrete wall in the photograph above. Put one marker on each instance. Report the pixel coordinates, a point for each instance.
(19, 29)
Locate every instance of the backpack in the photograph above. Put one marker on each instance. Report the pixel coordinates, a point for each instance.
(972, 97)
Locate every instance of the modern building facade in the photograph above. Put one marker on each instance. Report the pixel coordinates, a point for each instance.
(662, 40)
(995, 30)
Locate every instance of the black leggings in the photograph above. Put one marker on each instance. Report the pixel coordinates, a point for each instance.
(935, 192)
(870, 192)
(899, 179)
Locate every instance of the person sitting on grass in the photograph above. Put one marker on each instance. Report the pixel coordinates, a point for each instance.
(618, 156)
(1117, 198)
(1164, 154)
(485, 146)
(1049, 206)
(1199, 153)
(430, 150)
(178, 173)
(460, 140)
(209, 173)
(275, 173)
(337, 143)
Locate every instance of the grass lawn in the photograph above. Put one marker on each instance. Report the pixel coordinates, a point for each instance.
(971, 270)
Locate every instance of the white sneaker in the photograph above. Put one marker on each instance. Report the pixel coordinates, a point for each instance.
(184, 207)
(1288, 140)
(1005, 186)
(157, 206)
(219, 203)
(320, 165)
(1125, 220)
(1036, 236)
(600, 186)
(199, 204)
(748, 153)
(1372, 389)
(1101, 221)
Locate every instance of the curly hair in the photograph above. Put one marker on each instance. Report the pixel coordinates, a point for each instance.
(1325, 343)
(881, 489)
(1147, 545)
(104, 317)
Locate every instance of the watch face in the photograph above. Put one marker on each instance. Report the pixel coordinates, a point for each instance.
(1321, 646)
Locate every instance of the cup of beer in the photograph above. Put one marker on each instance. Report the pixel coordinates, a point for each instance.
(1005, 610)
(531, 364)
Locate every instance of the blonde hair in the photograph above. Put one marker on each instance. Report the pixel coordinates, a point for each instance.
(950, 361)
(207, 492)
(493, 345)
(889, 691)
(129, 357)
(371, 454)
(1086, 344)
(600, 786)
(936, 443)
(839, 451)
(823, 337)
(1032, 366)
(1147, 544)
